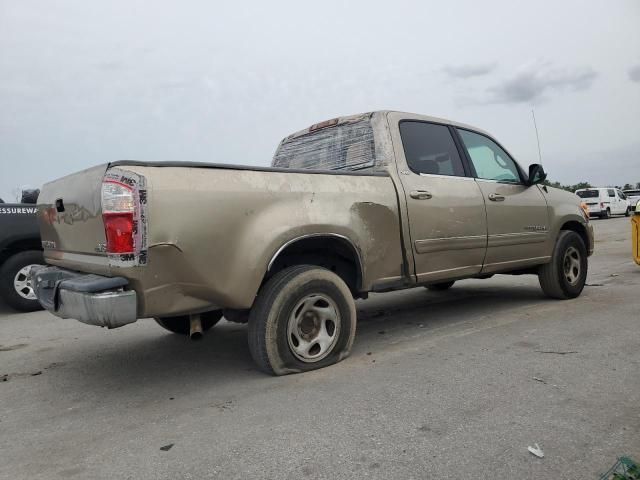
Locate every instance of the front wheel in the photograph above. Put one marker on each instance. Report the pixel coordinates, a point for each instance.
(627, 212)
(181, 324)
(304, 318)
(15, 280)
(564, 277)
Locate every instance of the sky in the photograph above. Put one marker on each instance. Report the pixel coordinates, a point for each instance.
(83, 83)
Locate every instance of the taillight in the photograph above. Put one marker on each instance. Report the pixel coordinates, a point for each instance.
(118, 228)
(601, 204)
(118, 209)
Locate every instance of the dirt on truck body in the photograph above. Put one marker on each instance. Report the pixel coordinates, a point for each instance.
(372, 202)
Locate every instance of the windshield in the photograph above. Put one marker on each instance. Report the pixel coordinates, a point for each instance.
(588, 193)
(348, 146)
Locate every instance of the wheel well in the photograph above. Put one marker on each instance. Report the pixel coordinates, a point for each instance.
(333, 253)
(579, 229)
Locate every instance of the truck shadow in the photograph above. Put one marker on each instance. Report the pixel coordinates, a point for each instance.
(171, 363)
(5, 309)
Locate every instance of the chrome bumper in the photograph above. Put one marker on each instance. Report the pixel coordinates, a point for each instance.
(88, 298)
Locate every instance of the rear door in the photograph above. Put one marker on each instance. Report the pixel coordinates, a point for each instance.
(517, 214)
(446, 210)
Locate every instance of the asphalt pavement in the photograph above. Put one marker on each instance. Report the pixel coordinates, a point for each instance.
(453, 384)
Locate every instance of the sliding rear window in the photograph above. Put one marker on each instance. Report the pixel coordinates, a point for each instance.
(347, 146)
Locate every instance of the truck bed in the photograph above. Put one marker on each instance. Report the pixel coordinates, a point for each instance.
(212, 230)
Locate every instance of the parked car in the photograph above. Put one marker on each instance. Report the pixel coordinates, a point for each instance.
(633, 196)
(367, 203)
(20, 250)
(605, 201)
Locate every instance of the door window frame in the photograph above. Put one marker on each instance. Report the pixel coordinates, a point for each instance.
(466, 166)
(521, 173)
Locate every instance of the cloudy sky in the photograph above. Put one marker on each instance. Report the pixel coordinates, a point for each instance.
(83, 82)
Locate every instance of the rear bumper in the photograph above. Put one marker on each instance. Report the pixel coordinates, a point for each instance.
(88, 298)
(594, 209)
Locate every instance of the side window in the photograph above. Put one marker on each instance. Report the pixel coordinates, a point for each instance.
(611, 192)
(621, 195)
(490, 161)
(429, 148)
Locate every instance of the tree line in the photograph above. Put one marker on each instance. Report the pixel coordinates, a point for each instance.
(579, 185)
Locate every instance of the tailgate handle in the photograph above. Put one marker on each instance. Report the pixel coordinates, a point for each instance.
(496, 197)
(59, 205)
(420, 194)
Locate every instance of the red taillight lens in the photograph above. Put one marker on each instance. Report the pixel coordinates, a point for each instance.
(601, 204)
(118, 216)
(119, 231)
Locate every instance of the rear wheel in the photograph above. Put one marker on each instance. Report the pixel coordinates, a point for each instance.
(15, 281)
(564, 277)
(440, 286)
(181, 323)
(605, 214)
(304, 318)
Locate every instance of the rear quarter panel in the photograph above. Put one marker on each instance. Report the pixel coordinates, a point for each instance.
(212, 232)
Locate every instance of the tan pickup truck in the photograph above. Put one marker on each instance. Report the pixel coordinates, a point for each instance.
(367, 203)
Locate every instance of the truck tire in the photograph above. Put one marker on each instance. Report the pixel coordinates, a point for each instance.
(15, 286)
(304, 318)
(564, 277)
(440, 286)
(627, 212)
(181, 323)
(605, 214)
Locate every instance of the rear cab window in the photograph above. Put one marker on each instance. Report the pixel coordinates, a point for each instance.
(611, 192)
(329, 145)
(430, 149)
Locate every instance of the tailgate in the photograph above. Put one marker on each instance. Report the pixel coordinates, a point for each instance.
(72, 224)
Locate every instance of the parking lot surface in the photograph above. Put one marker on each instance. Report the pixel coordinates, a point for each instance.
(453, 384)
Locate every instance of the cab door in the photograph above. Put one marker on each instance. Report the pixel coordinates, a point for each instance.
(447, 221)
(517, 214)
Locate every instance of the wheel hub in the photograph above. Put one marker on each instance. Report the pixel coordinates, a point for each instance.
(313, 328)
(571, 265)
(22, 283)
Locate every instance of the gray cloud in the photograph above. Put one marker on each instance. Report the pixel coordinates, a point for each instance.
(469, 70)
(634, 73)
(532, 81)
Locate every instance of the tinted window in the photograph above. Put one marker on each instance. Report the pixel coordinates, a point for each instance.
(490, 161)
(429, 148)
(621, 195)
(611, 192)
(588, 193)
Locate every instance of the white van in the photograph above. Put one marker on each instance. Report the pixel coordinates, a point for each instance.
(634, 197)
(604, 201)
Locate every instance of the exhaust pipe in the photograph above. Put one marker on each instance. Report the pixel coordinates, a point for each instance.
(195, 327)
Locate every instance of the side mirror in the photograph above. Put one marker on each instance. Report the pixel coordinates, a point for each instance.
(536, 174)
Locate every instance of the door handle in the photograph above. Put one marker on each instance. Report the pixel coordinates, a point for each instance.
(420, 194)
(496, 197)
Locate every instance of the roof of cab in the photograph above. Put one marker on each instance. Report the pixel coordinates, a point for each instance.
(362, 116)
